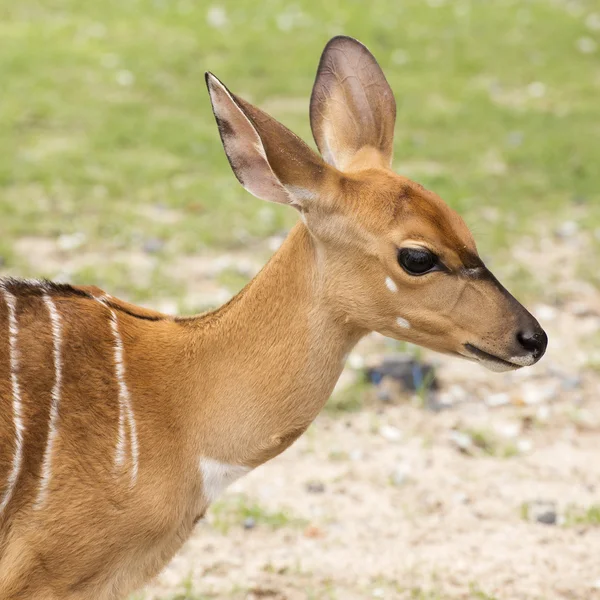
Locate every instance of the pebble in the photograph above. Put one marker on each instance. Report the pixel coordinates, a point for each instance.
(71, 241)
(312, 531)
(541, 511)
(390, 433)
(536, 393)
(356, 455)
(315, 487)
(494, 400)
(400, 475)
(462, 440)
(524, 446)
(249, 523)
(545, 312)
(153, 245)
(567, 229)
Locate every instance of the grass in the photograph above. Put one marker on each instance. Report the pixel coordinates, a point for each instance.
(583, 516)
(488, 443)
(349, 399)
(105, 125)
(235, 510)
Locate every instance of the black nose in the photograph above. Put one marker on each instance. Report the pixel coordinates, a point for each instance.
(534, 341)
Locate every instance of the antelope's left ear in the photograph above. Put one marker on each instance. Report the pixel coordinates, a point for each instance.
(269, 160)
(352, 105)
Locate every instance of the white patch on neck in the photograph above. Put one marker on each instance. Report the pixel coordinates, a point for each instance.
(216, 476)
(13, 330)
(55, 322)
(389, 282)
(402, 323)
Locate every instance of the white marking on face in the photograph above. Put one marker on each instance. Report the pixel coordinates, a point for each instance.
(522, 361)
(389, 282)
(496, 367)
(55, 322)
(216, 476)
(402, 323)
(125, 410)
(13, 330)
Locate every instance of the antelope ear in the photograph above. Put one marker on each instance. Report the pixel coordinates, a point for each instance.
(352, 105)
(269, 160)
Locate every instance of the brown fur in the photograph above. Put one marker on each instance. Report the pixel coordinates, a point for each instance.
(240, 384)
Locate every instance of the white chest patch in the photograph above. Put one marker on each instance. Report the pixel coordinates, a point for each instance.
(216, 476)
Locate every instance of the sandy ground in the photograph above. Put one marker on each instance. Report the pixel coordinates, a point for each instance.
(398, 501)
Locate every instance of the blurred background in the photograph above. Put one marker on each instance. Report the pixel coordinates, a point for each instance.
(425, 478)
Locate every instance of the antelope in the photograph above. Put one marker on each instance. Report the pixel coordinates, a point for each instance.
(120, 425)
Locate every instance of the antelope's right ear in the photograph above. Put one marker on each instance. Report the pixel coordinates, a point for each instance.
(269, 160)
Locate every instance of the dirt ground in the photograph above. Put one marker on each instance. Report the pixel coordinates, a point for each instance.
(493, 496)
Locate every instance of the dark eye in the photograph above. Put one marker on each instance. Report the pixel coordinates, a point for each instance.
(416, 261)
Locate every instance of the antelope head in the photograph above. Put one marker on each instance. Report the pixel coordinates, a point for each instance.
(394, 257)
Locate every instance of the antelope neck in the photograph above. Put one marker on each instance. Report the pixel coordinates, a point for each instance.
(276, 352)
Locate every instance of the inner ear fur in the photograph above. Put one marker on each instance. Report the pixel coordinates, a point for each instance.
(352, 106)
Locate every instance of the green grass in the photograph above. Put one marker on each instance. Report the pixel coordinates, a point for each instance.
(105, 125)
(234, 510)
(583, 516)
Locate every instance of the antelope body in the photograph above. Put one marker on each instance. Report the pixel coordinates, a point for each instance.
(119, 425)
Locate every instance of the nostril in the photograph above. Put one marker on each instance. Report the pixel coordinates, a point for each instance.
(533, 341)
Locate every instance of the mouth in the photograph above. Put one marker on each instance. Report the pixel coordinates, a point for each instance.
(492, 362)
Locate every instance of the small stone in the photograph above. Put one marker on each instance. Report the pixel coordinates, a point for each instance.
(586, 45)
(515, 138)
(592, 22)
(249, 523)
(153, 245)
(356, 361)
(536, 89)
(567, 229)
(356, 455)
(312, 531)
(390, 433)
(315, 487)
(125, 78)
(71, 241)
(495, 400)
(543, 512)
(461, 439)
(547, 518)
(400, 475)
(545, 312)
(524, 446)
(216, 17)
(537, 393)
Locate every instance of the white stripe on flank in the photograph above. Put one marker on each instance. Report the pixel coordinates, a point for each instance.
(56, 389)
(125, 411)
(13, 329)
